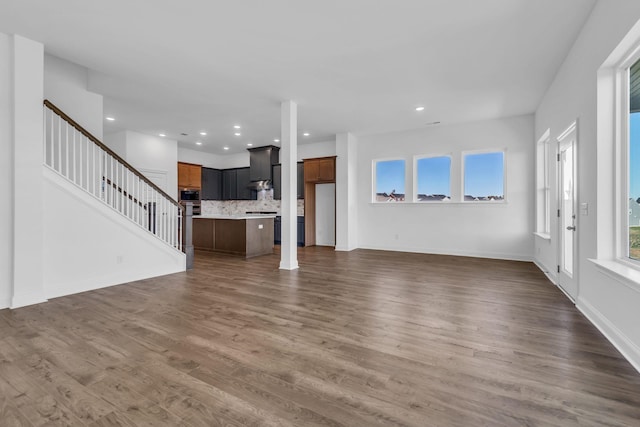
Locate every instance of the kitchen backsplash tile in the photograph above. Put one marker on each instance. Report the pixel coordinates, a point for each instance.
(239, 207)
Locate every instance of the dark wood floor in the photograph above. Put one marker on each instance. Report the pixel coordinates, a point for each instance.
(351, 339)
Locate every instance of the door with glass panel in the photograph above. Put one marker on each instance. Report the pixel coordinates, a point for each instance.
(568, 241)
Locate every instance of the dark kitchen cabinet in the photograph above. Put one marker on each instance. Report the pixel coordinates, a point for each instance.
(229, 184)
(300, 171)
(242, 184)
(277, 181)
(235, 185)
(277, 230)
(211, 184)
(261, 160)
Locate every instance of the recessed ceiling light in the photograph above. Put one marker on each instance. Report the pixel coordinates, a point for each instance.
(203, 133)
(198, 143)
(236, 126)
(276, 140)
(249, 145)
(419, 108)
(237, 134)
(162, 135)
(110, 118)
(226, 148)
(305, 134)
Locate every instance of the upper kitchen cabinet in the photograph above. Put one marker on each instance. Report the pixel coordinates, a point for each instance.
(243, 192)
(277, 181)
(229, 184)
(211, 184)
(261, 160)
(322, 169)
(189, 175)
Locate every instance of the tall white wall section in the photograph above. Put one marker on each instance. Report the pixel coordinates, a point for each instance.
(28, 92)
(6, 171)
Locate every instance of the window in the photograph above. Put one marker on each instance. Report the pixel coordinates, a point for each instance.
(433, 179)
(633, 165)
(389, 180)
(543, 190)
(484, 177)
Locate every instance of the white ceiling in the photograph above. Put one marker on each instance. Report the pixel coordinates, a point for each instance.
(358, 66)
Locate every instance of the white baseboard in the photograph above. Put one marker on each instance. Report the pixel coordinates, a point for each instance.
(620, 341)
(345, 248)
(553, 278)
(489, 255)
(24, 300)
(5, 303)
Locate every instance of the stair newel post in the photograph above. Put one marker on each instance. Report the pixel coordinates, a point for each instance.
(187, 234)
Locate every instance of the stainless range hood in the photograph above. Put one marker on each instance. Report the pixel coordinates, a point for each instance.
(260, 185)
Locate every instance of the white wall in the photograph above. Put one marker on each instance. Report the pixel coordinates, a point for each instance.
(241, 160)
(65, 85)
(208, 160)
(88, 245)
(495, 230)
(316, 149)
(611, 305)
(148, 153)
(27, 125)
(325, 214)
(6, 174)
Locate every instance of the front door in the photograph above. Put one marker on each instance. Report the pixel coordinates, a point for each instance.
(567, 274)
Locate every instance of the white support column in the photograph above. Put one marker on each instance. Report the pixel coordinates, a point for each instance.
(346, 192)
(289, 203)
(28, 202)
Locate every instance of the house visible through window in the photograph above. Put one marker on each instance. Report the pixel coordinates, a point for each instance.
(484, 177)
(390, 181)
(433, 179)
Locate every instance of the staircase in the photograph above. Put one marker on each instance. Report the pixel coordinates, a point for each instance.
(120, 225)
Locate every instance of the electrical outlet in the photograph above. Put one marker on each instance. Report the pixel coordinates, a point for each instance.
(119, 259)
(260, 226)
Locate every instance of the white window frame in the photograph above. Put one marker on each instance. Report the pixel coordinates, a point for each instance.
(543, 188)
(612, 145)
(463, 156)
(622, 159)
(416, 158)
(374, 169)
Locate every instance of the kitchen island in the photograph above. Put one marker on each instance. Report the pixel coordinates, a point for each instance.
(246, 235)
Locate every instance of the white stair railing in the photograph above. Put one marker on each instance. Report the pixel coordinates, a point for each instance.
(74, 153)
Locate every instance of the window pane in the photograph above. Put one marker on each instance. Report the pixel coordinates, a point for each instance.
(434, 179)
(390, 181)
(634, 186)
(484, 177)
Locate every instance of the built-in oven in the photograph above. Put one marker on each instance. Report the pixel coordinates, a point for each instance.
(189, 195)
(193, 196)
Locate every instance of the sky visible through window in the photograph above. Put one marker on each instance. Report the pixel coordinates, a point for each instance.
(390, 176)
(484, 174)
(434, 176)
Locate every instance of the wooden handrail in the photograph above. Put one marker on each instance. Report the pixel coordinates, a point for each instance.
(100, 144)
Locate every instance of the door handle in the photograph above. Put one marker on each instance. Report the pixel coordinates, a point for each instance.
(571, 228)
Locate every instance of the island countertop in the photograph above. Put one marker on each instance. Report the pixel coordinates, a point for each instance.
(237, 217)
